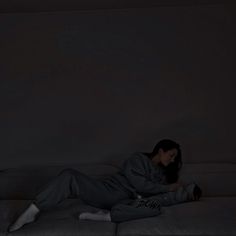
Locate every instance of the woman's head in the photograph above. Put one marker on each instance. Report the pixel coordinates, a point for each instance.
(167, 154)
(165, 157)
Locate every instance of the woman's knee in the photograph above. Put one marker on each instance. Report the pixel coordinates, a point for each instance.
(68, 171)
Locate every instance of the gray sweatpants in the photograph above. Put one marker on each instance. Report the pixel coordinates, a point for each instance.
(73, 183)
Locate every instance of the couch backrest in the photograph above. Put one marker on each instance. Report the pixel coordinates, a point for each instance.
(215, 179)
(24, 183)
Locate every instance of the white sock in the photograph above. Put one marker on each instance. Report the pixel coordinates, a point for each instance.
(99, 216)
(189, 189)
(26, 217)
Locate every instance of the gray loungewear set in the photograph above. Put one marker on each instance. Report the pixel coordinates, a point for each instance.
(138, 190)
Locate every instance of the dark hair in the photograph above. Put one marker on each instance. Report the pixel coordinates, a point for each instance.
(172, 170)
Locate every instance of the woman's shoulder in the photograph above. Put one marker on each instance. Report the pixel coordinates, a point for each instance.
(144, 159)
(138, 157)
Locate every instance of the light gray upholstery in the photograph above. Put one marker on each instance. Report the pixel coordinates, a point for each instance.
(214, 214)
(210, 216)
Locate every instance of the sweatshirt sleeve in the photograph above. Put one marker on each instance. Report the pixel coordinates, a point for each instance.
(135, 170)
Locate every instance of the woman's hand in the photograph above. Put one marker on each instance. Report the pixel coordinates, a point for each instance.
(175, 186)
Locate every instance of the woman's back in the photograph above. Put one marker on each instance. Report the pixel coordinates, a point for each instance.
(139, 175)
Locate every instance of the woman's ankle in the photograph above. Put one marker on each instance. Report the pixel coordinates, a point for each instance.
(34, 206)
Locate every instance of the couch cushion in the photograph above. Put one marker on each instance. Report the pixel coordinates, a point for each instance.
(25, 182)
(209, 216)
(61, 220)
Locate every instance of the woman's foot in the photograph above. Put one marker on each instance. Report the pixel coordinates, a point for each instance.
(99, 216)
(197, 193)
(27, 216)
(194, 191)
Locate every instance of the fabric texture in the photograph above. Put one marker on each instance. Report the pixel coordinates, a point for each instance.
(140, 176)
(137, 177)
(71, 183)
(150, 206)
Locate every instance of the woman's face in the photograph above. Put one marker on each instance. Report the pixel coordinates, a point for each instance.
(165, 157)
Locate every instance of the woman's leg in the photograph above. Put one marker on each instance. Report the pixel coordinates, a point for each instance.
(64, 185)
(70, 183)
(27, 216)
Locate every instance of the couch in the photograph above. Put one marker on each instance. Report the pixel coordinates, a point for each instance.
(213, 214)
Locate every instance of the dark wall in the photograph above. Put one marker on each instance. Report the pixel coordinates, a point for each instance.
(12, 6)
(95, 86)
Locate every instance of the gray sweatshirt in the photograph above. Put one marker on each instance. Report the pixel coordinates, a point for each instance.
(140, 177)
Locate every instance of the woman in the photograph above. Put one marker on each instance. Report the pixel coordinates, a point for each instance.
(146, 182)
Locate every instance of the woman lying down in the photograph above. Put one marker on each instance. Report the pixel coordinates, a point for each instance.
(145, 183)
